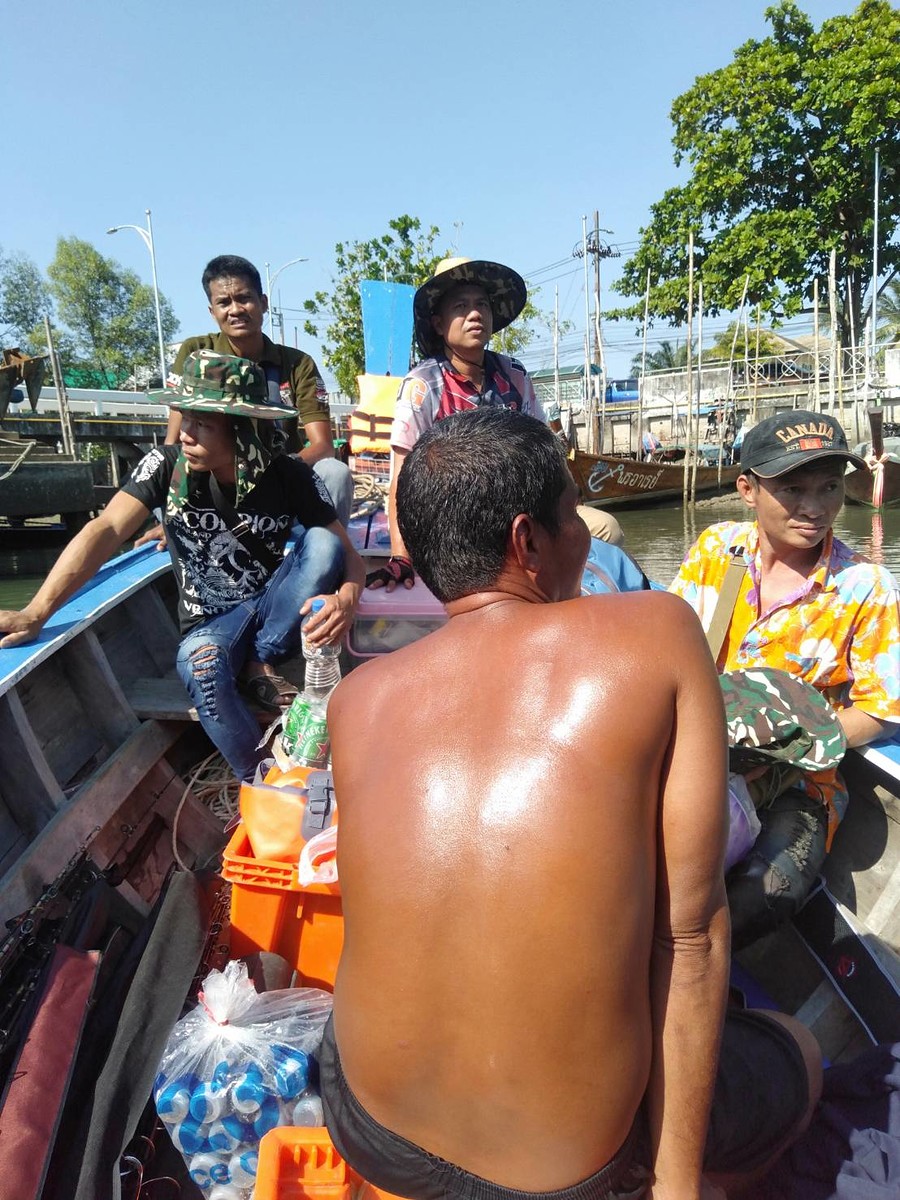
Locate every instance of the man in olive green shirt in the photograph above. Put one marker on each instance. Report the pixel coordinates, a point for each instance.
(238, 305)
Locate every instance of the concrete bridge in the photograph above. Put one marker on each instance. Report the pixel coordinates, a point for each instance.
(97, 416)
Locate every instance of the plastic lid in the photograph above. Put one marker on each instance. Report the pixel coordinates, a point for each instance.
(317, 606)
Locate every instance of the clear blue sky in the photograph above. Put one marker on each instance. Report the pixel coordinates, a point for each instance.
(274, 130)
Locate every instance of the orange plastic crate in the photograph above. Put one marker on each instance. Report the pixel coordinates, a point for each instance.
(302, 1164)
(271, 911)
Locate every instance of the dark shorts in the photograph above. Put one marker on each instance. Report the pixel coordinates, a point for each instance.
(761, 1093)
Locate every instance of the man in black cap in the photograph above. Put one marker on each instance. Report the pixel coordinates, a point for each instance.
(802, 602)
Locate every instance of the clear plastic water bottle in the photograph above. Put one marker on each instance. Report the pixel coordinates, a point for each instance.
(305, 736)
(311, 653)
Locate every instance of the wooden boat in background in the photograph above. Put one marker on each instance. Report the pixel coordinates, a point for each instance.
(625, 482)
(878, 486)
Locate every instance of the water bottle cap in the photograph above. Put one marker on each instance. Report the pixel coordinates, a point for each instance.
(317, 606)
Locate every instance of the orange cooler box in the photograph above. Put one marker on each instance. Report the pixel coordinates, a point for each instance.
(386, 621)
(302, 1164)
(271, 911)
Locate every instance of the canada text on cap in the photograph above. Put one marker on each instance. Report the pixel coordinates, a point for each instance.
(793, 439)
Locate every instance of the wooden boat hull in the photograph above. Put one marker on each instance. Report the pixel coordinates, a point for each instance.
(859, 486)
(95, 731)
(626, 482)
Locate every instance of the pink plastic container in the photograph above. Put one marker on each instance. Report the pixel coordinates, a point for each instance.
(386, 621)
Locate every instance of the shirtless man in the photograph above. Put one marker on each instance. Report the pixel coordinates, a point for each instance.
(533, 983)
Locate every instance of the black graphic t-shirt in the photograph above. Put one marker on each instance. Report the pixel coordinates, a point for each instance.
(214, 571)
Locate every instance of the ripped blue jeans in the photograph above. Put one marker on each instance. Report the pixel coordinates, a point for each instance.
(265, 628)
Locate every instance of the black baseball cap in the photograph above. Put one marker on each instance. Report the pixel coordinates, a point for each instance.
(794, 439)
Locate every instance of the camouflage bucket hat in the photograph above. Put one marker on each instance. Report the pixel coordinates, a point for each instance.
(774, 718)
(505, 289)
(223, 383)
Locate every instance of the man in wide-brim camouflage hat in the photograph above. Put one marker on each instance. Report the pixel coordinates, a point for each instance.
(230, 499)
(456, 312)
(808, 605)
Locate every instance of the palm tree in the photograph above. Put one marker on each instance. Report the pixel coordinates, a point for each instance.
(889, 314)
(667, 357)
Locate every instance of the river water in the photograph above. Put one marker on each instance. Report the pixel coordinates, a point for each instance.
(657, 537)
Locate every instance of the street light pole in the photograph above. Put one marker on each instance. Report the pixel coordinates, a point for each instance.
(147, 238)
(270, 280)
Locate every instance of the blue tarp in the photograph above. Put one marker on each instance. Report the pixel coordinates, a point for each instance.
(387, 310)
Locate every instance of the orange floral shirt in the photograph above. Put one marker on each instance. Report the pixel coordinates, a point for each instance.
(840, 632)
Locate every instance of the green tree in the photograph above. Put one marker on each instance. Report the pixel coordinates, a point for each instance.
(24, 301)
(405, 254)
(108, 310)
(780, 145)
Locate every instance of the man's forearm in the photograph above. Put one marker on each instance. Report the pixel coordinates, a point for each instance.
(398, 549)
(689, 984)
(861, 728)
(80, 560)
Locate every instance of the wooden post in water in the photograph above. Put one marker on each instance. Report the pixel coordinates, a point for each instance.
(690, 376)
(695, 445)
(832, 316)
(640, 429)
(65, 417)
(756, 366)
(856, 433)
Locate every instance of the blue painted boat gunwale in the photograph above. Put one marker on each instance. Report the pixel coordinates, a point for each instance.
(118, 579)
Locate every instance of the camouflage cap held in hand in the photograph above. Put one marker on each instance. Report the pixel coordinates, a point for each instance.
(224, 383)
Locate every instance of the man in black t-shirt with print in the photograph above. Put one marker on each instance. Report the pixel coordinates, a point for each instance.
(229, 504)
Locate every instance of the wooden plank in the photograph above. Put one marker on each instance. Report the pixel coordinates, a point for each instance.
(69, 740)
(93, 681)
(162, 699)
(88, 811)
(158, 629)
(29, 788)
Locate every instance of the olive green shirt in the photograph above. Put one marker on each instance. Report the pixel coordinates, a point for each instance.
(293, 376)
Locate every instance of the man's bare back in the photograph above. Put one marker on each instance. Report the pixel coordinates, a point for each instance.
(524, 847)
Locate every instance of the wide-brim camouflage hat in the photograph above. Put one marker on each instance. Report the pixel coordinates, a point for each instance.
(774, 717)
(224, 383)
(505, 290)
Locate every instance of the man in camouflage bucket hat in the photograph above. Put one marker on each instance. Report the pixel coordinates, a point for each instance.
(238, 305)
(456, 313)
(240, 599)
(809, 606)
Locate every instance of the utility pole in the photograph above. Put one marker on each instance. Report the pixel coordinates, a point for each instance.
(591, 246)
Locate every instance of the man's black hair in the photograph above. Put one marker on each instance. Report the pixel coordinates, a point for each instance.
(226, 266)
(461, 487)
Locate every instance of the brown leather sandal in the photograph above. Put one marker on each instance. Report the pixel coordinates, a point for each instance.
(270, 692)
